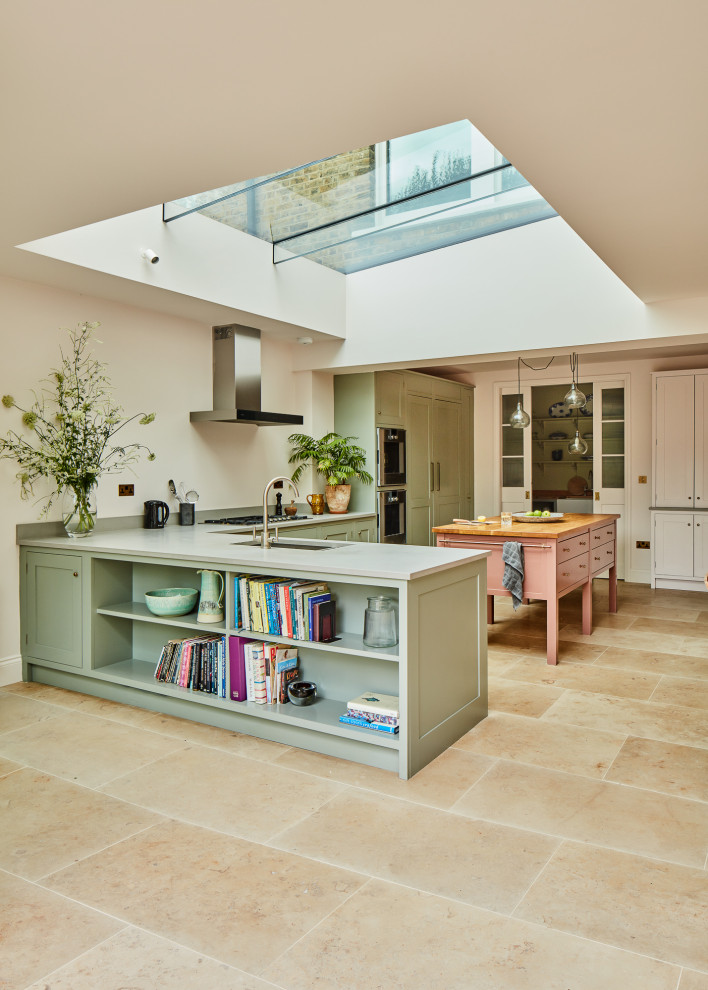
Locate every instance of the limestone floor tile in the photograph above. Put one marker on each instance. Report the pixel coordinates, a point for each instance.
(585, 677)
(659, 612)
(658, 909)
(398, 939)
(682, 691)
(439, 784)
(41, 931)
(662, 766)
(7, 766)
(520, 699)
(691, 630)
(569, 650)
(45, 692)
(48, 823)
(137, 960)
(470, 861)
(207, 786)
(230, 899)
(83, 748)
(602, 636)
(693, 981)
(209, 735)
(651, 662)
(546, 744)
(597, 811)
(648, 719)
(499, 661)
(17, 711)
(702, 617)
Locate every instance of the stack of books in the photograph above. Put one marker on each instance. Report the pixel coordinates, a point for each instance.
(197, 663)
(373, 711)
(284, 607)
(260, 672)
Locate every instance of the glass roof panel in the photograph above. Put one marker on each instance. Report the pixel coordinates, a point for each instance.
(379, 203)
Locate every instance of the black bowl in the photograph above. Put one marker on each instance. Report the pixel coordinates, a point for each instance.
(302, 692)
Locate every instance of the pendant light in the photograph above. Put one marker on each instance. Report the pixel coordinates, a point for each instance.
(519, 419)
(577, 445)
(574, 398)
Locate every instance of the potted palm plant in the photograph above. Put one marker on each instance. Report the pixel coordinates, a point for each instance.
(338, 458)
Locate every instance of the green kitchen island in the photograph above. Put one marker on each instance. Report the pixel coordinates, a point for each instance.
(85, 627)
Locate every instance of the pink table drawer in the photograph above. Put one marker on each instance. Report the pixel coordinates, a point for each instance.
(600, 536)
(569, 572)
(567, 549)
(601, 558)
(535, 568)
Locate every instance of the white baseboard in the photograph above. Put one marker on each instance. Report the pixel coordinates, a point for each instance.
(10, 670)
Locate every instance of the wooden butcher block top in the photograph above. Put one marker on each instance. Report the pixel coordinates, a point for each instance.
(571, 524)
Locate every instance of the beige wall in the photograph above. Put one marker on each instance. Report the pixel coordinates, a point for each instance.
(156, 363)
(639, 424)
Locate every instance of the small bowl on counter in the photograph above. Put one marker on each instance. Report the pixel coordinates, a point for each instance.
(302, 693)
(171, 601)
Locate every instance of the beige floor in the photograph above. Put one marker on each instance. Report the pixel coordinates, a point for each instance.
(560, 845)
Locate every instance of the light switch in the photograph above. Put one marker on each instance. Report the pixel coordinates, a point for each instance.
(642, 479)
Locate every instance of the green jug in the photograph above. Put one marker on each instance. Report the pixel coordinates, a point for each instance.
(211, 597)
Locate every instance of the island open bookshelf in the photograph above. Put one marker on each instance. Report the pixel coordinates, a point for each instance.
(86, 628)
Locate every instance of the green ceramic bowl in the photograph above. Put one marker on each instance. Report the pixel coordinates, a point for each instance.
(171, 601)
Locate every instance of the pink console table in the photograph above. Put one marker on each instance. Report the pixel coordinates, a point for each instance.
(558, 558)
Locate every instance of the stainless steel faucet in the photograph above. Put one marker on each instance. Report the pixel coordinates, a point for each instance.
(265, 536)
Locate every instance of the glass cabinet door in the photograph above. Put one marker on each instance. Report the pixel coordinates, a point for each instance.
(515, 454)
(609, 445)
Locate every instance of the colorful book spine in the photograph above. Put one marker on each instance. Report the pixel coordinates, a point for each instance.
(370, 717)
(364, 724)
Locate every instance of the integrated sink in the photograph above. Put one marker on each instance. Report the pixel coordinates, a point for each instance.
(294, 544)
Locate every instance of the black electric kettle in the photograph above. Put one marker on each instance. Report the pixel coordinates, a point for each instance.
(156, 514)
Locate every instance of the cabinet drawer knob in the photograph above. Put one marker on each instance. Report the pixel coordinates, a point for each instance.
(582, 566)
(597, 537)
(564, 574)
(566, 549)
(582, 543)
(76, 573)
(597, 558)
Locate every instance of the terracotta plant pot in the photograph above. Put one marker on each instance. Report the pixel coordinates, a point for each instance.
(338, 497)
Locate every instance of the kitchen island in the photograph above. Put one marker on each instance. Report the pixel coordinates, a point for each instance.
(85, 627)
(558, 558)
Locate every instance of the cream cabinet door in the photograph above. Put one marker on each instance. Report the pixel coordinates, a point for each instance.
(446, 449)
(390, 389)
(701, 442)
(700, 546)
(420, 470)
(609, 458)
(673, 544)
(674, 441)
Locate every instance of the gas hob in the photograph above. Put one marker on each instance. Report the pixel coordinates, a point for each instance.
(250, 520)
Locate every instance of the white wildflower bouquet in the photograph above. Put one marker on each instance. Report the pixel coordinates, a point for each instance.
(71, 426)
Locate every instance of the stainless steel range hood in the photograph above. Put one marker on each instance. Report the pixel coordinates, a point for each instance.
(236, 355)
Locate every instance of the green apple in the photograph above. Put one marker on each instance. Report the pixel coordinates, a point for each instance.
(538, 512)
(545, 512)
(530, 513)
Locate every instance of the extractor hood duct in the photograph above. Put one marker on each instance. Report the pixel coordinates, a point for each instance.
(236, 355)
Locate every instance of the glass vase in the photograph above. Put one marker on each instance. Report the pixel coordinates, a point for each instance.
(79, 510)
(380, 622)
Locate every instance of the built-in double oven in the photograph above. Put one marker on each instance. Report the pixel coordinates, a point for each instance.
(390, 482)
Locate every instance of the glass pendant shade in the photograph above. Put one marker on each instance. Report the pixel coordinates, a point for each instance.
(519, 419)
(577, 445)
(574, 398)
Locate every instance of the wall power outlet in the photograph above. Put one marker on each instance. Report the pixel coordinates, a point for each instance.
(643, 544)
(126, 489)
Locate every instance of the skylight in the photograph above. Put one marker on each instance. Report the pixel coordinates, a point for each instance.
(380, 203)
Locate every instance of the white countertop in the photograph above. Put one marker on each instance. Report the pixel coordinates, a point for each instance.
(223, 547)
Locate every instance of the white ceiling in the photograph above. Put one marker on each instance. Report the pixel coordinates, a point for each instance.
(109, 108)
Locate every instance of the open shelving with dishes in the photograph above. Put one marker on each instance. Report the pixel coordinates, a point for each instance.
(113, 648)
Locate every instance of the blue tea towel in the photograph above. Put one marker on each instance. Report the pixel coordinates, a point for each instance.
(513, 580)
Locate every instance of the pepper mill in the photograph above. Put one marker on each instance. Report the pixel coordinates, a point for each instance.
(278, 504)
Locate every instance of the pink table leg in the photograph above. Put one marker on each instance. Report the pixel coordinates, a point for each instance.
(613, 586)
(587, 608)
(552, 630)
(490, 610)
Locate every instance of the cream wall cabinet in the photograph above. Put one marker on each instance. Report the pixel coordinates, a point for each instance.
(680, 439)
